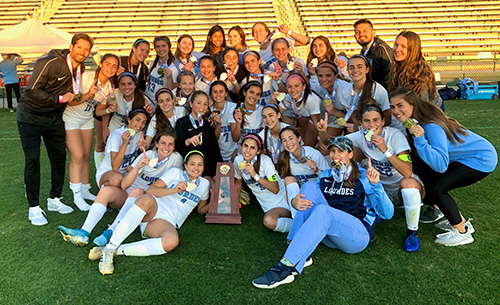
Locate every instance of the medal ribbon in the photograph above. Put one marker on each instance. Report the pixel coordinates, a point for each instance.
(274, 152)
(196, 122)
(294, 160)
(342, 174)
(353, 102)
(162, 161)
(197, 182)
(76, 83)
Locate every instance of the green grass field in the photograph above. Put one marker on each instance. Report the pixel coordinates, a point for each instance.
(215, 264)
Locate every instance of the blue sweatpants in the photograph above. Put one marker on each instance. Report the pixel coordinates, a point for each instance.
(322, 223)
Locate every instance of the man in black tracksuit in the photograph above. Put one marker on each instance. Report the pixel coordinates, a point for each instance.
(380, 55)
(55, 81)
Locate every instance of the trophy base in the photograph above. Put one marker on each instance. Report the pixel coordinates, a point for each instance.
(229, 219)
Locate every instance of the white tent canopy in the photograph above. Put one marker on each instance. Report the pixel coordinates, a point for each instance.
(32, 36)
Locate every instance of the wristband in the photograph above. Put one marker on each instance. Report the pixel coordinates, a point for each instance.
(256, 177)
(107, 110)
(388, 153)
(289, 33)
(61, 99)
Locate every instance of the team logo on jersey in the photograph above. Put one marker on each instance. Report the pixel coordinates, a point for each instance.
(224, 169)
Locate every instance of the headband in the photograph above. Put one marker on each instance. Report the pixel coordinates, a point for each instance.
(163, 90)
(254, 137)
(272, 106)
(138, 41)
(254, 53)
(372, 108)
(294, 76)
(193, 152)
(361, 56)
(280, 40)
(252, 83)
(331, 65)
(134, 78)
(136, 110)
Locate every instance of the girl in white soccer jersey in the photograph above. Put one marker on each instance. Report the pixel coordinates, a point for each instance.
(79, 123)
(185, 57)
(251, 59)
(221, 114)
(185, 88)
(363, 91)
(207, 74)
(162, 71)
(304, 104)
(260, 176)
(128, 97)
(166, 114)
(321, 50)
(298, 164)
(159, 213)
(389, 152)
(145, 170)
(262, 34)
(121, 149)
(271, 133)
(250, 121)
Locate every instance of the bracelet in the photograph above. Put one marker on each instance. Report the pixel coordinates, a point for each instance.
(289, 33)
(61, 99)
(388, 153)
(256, 177)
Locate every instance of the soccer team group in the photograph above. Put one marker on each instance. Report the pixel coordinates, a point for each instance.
(328, 147)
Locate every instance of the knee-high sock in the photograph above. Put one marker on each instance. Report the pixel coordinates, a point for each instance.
(130, 221)
(98, 156)
(412, 203)
(147, 247)
(123, 211)
(95, 214)
(283, 225)
(292, 190)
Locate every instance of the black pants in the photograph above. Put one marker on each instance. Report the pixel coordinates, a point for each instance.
(8, 90)
(437, 185)
(54, 137)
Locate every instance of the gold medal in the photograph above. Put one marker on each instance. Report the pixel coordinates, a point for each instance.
(281, 97)
(303, 159)
(290, 66)
(341, 121)
(160, 71)
(368, 135)
(267, 78)
(153, 162)
(131, 131)
(336, 164)
(182, 101)
(109, 100)
(314, 62)
(77, 98)
(223, 76)
(193, 59)
(242, 110)
(408, 123)
(242, 165)
(190, 187)
(327, 101)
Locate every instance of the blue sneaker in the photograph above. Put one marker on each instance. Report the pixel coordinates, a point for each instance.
(412, 243)
(103, 239)
(77, 237)
(277, 275)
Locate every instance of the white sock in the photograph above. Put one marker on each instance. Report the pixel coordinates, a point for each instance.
(283, 225)
(95, 214)
(86, 192)
(78, 197)
(146, 247)
(412, 203)
(123, 211)
(292, 190)
(98, 156)
(130, 221)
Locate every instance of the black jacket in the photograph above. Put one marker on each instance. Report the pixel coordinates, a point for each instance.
(381, 57)
(50, 78)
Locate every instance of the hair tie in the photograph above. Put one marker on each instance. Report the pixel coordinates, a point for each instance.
(163, 90)
(254, 137)
(296, 76)
(193, 152)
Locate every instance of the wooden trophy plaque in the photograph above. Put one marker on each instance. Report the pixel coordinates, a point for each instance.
(223, 207)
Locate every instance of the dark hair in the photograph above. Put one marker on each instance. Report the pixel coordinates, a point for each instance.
(139, 99)
(330, 53)
(207, 57)
(240, 32)
(266, 138)
(195, 95)
(366, 95)
(307, 89)
(363, 21)
(241, 96)
(170, 55)
(218, 82)
(252, 136)
(84, 36)
(136, 111)
(283, 165)
(370, 107)
(136, 43)
(178, 92)
(164, 133)
(355, 174)
(209, 47)
(162, 122)
(177, 50)
(98, 70)
(426, 113)
(229, 49)
(193, 153)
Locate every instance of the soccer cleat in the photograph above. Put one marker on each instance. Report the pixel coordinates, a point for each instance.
(277, 275)
(55, 205)
(77, 237)
(95, 253)
(106, 262)
(244, 198)
(412, 243)
(37, 216)
(430, 215)
(445, 226)
(455, 238)
(103, 239)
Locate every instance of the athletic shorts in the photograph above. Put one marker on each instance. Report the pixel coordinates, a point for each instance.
(83, 123)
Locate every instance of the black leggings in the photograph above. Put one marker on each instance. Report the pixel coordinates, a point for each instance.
(437, 185)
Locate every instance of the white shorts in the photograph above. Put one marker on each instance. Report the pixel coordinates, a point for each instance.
(83, 123)
(162, 214)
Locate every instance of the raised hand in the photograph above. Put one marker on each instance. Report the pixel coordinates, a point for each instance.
(322, 124)
(196, 140)
(372, 174)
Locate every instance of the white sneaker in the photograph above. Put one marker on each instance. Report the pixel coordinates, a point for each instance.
(37, 216)
(445, 226)
(55, 205)
(80, 203)
(106, 262)
(454, 238)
